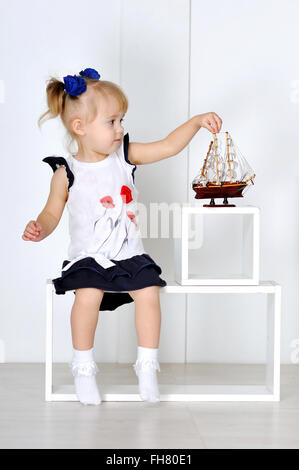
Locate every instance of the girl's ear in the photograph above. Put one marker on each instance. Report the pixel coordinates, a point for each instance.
(78, 127)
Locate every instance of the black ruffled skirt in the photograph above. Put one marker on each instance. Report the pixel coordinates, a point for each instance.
(129, 274)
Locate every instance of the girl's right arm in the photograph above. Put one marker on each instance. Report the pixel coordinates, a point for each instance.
(51, 214)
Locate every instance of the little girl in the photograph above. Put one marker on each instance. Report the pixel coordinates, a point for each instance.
(107, 265)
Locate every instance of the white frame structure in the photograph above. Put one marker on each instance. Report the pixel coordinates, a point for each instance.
(270, 391)
(248, 263)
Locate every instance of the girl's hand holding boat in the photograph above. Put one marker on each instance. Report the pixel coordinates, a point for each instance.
(210, 121)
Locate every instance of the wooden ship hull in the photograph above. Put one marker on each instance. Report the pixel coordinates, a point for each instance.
(214, 190)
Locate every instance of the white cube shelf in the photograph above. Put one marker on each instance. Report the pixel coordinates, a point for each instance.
(250, 260)
(270, 391)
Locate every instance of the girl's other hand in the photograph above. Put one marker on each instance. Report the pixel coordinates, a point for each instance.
(33, 232)
(210, 121)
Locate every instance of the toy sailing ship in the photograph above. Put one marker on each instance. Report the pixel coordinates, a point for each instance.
(225, 173)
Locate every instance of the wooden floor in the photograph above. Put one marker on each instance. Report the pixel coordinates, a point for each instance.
(27, 421)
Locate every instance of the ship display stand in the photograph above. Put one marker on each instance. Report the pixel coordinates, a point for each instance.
(245, 282)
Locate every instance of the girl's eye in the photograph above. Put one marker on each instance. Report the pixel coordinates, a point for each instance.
(114, 120)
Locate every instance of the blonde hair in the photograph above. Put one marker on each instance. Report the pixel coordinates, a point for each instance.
(83, 106)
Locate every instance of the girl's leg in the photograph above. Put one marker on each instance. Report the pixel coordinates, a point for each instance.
(148, 324)
(84, 318)
(147, 316)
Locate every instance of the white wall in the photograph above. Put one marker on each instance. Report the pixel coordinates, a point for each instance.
(174, 59)
(243, 66)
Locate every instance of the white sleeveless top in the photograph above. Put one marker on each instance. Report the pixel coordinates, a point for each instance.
(102, 205)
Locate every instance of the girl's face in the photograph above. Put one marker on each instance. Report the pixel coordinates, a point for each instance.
(104, 135)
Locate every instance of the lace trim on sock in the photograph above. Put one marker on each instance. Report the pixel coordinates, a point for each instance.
(148, 365)
(86, 368)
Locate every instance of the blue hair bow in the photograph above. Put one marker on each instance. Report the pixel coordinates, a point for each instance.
(75, 85)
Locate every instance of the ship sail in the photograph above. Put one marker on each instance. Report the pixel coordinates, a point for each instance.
(224, 163)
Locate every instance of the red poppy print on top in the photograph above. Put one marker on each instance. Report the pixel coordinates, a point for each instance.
(107, 202)
(132, 217)
(126, 194)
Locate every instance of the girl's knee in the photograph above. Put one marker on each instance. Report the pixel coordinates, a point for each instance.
(89, 295)
(150, 293)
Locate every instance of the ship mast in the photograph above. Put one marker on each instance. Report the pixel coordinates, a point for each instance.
(206, 159)
(216, 158)
(228, 157)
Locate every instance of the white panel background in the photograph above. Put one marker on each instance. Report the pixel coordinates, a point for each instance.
(174, 59)
(243, 67)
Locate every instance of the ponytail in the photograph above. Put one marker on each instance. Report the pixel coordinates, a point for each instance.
(55, 100)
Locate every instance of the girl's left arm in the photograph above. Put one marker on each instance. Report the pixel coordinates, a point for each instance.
(141, 154)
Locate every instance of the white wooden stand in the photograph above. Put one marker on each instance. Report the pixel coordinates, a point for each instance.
(270, 391)
(250, 245)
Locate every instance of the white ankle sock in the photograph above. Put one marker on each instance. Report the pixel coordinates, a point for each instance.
(145, 368)
(84, 369)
